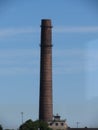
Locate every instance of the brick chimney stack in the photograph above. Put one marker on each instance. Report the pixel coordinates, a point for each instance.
(45, 98)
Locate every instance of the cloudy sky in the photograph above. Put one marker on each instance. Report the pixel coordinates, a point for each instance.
(75, 56)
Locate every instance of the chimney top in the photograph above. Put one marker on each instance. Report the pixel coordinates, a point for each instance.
(46, 23)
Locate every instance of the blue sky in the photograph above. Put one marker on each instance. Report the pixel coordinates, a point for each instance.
(75, 55)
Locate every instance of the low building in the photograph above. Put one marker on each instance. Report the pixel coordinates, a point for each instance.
(57, 123)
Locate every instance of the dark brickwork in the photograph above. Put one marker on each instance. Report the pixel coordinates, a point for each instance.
(45, 99)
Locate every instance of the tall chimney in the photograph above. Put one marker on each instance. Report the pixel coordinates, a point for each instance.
(45, 99)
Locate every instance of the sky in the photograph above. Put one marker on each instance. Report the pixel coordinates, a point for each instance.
(75, 56)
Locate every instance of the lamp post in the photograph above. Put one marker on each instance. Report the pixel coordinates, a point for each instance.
(78, 124)
(22, 117)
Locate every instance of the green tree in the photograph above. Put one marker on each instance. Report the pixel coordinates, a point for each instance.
(1, 127)
(30, 125)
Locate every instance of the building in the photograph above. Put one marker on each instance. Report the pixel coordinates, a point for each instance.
(57, 123)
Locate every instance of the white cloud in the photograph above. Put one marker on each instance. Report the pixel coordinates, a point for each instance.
(6, 32)
(7, 71)
(72, 29)
(75, 61)
(19, 61)
(69, 52)
(66, 61)
(18, 52)
(14, 31)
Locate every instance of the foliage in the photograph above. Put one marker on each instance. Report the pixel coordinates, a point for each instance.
(30, 125)
(1, 127)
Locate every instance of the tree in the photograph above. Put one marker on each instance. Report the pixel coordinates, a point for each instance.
(30, 125)
(1, 127)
